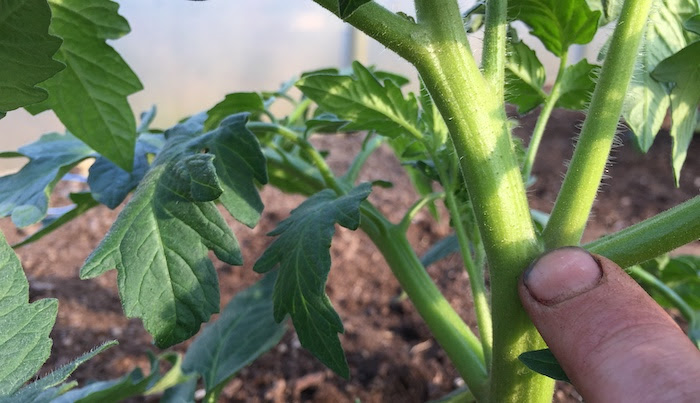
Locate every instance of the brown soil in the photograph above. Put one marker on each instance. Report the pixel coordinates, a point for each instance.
(391, 353)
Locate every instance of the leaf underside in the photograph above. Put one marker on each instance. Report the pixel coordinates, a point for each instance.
(683, 69)
(302, 251)
(160, 240)
(363, 101)
(244, 330)
(24, 195)
(557, 23)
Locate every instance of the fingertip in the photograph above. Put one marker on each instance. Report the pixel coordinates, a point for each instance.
(561, 274)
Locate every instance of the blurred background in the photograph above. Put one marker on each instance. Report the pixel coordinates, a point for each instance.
(189, 55)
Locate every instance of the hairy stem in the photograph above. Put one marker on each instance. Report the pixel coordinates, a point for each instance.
(652, 237)
(392, 30)
(477, 123)
(583, 177)
(450, 331)
(494, 53)
(542, 120)
(476, 280)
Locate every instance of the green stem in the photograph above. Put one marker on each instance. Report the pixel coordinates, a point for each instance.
(476, 280)
(477, 124)
(415, 208)
(299, 111)
(494, 52)
(368, 147)
(390, 29)
(652, 237)
(542, 120)
(583, 177)
(650, 280)
(450, 331)
(311, 152)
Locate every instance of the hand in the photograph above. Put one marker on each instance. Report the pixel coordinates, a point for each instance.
(612, 340)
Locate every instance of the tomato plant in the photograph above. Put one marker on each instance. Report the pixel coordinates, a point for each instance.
(454, 137)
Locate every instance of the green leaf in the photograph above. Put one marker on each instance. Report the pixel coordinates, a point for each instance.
(525, 77)
(110, 184)
(364, 102)
(431, 120)
(347, 7)
(647, 100)
(325, 123)
(304, 258)
(245, 330)
(682, 69)
(82, 203)
(130, 385)
(610, 9)
(440, 250)
(557, 23)
(182, 393)
(474, 17)
(89, 96)
(159, 241)
(26, 51)
(24, 341)
(692, 24)
(49, 387)
(682, 274)
(543, 362)
(24, 195)
(577, 85)
(239, 163)
(236, 102)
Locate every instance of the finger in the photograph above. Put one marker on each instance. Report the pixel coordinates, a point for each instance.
(612, 340)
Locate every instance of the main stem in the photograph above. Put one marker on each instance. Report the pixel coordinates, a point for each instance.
(477, 122)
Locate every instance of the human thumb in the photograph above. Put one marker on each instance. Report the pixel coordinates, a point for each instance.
(612, 340)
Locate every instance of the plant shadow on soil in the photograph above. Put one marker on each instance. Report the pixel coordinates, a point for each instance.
(389, 349)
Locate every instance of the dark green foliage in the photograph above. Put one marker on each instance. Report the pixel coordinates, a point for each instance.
(302, 253)
(544, 362)
(347, 7)
(26, 51)
(244, 330)
(160, 240)
(89, 96)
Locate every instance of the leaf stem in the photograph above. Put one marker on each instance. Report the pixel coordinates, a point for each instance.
(494, 53)
(390, 29)
(638, 273)
(652, 237)
(311, 152)
(450, 331)
(476, 280)
(368, 147)
(415, 208)
(542, 120)
(299, 111)
(583, 177)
